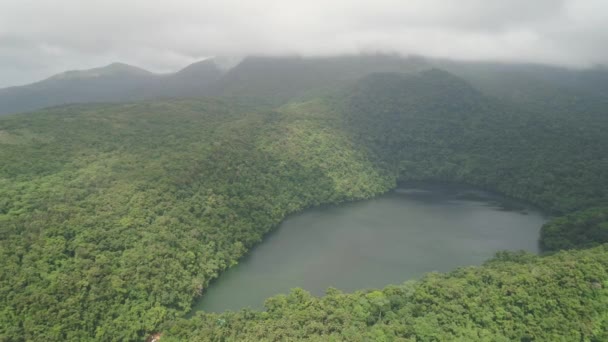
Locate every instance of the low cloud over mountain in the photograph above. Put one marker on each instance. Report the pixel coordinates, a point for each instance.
(41, 38)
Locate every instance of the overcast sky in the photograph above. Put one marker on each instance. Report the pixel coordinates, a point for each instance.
(41, 37)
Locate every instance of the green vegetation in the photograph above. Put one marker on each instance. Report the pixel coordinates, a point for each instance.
(581, 229)
(435, 126)
(514, 297)
(113, 218)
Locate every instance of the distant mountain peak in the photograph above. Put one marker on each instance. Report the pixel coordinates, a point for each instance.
(119, 66)
(205, 64)
(112, 69)
(226, 63)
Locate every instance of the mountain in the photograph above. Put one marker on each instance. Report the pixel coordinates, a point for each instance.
(114, 69)
(277, 80)
(114, 218)
(547, 88)
(196, 79)
(116, 82)
(280, 79)
(268, 79)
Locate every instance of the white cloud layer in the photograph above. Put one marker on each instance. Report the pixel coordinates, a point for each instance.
(42, 37)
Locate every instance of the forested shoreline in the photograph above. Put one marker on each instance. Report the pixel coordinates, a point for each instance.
(114, 218)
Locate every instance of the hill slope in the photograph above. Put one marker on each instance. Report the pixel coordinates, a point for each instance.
(114, 83)
(434, 125)
(277, 80)
(114, 218)
(514, 297)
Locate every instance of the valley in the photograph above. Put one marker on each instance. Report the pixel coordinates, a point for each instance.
(115, 218)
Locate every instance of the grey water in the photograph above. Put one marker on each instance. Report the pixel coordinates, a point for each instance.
(370, 244)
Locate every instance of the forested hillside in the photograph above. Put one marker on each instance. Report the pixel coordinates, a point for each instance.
(116, 82)
(514, 297)
(275, 81)
(435, 126)
(114, 218)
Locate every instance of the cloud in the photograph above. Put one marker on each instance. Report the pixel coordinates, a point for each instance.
(41, 37)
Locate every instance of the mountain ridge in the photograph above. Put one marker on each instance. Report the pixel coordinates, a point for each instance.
(116, 82)
(115, 68)
(276, 80)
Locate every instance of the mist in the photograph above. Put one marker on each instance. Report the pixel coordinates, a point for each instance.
(43, 37)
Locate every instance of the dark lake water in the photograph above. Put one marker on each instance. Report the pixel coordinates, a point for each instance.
(373, 243)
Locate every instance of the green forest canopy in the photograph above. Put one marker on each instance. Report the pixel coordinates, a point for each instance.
(115, 217)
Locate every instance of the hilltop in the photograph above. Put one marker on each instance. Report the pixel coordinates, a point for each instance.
(277, 80)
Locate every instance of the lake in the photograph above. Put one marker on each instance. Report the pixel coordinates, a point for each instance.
(370, 244)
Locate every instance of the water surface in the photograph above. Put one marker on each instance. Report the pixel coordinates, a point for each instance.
(372, 243)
